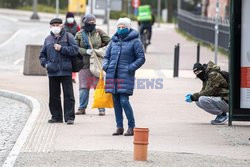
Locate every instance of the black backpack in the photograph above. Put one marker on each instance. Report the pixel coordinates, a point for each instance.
(225, 75)
(76, 61)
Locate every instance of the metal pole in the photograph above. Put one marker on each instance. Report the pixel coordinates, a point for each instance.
(198, 53)
(108, 15)
(175, 52)
(78, 8)
(105, 16)
(178, 6)
(216, 28)
(91, 6)
(57, 8)
(129, 7)
(176, 59)
(159, 12)
(178, 11)
(34, 16)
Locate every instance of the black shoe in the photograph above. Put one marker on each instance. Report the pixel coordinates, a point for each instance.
(52, 120)
(70, 122)
(130, 132)
(101, 112)
(119, 131)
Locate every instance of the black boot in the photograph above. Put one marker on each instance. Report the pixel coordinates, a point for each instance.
(130, 132)
(119, 131)
(52, 120)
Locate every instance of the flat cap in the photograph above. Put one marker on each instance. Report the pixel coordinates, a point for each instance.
(55, 20)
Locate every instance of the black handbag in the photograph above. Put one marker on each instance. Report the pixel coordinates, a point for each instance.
(77, 63)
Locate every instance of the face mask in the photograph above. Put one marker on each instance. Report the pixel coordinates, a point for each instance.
(55, 30)
(70, 20)
(122, 31)
(89, 27)
(201, 76)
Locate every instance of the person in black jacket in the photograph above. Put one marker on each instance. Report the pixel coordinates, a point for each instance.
(55, 56)
(147, 25)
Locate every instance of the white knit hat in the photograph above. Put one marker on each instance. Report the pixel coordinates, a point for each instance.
(124, 21)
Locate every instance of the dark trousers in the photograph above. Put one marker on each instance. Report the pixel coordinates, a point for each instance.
(121, 102)
(149, 28)
(55, 98)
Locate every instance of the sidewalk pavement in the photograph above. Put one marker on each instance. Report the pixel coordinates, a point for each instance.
(180, 133)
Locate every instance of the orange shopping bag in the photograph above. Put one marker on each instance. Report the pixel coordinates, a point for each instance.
(102, 99)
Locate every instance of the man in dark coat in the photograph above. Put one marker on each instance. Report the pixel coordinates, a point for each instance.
(123, 57)
(55, 56)
(214, 95)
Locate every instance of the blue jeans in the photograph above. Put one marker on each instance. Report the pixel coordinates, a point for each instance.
(84, 99)
(121, 102)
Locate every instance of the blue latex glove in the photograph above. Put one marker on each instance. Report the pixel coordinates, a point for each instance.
(188, 98)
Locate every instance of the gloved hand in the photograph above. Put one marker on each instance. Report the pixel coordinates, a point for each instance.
(89, 51)
(188, 98)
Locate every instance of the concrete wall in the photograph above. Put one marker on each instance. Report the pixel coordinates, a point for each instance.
(31, 62)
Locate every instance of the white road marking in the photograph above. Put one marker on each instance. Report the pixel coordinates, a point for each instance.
(11, 38)
(8, 18)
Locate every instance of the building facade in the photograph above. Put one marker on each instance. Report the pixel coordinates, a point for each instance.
(209, 8)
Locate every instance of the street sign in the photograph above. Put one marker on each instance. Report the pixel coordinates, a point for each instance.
(217, 5)
(136, 3)
(115, 5)
(239, 61)
(77, 6)
(245, 56)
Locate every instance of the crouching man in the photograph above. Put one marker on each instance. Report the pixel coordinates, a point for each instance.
(214, 95)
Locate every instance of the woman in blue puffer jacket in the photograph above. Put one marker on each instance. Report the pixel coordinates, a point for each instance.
(124, 56)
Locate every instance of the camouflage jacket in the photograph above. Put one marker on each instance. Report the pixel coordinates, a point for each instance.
(214, 85)
(98, 39)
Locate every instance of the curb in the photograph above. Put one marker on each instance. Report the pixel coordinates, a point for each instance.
(35, 110)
